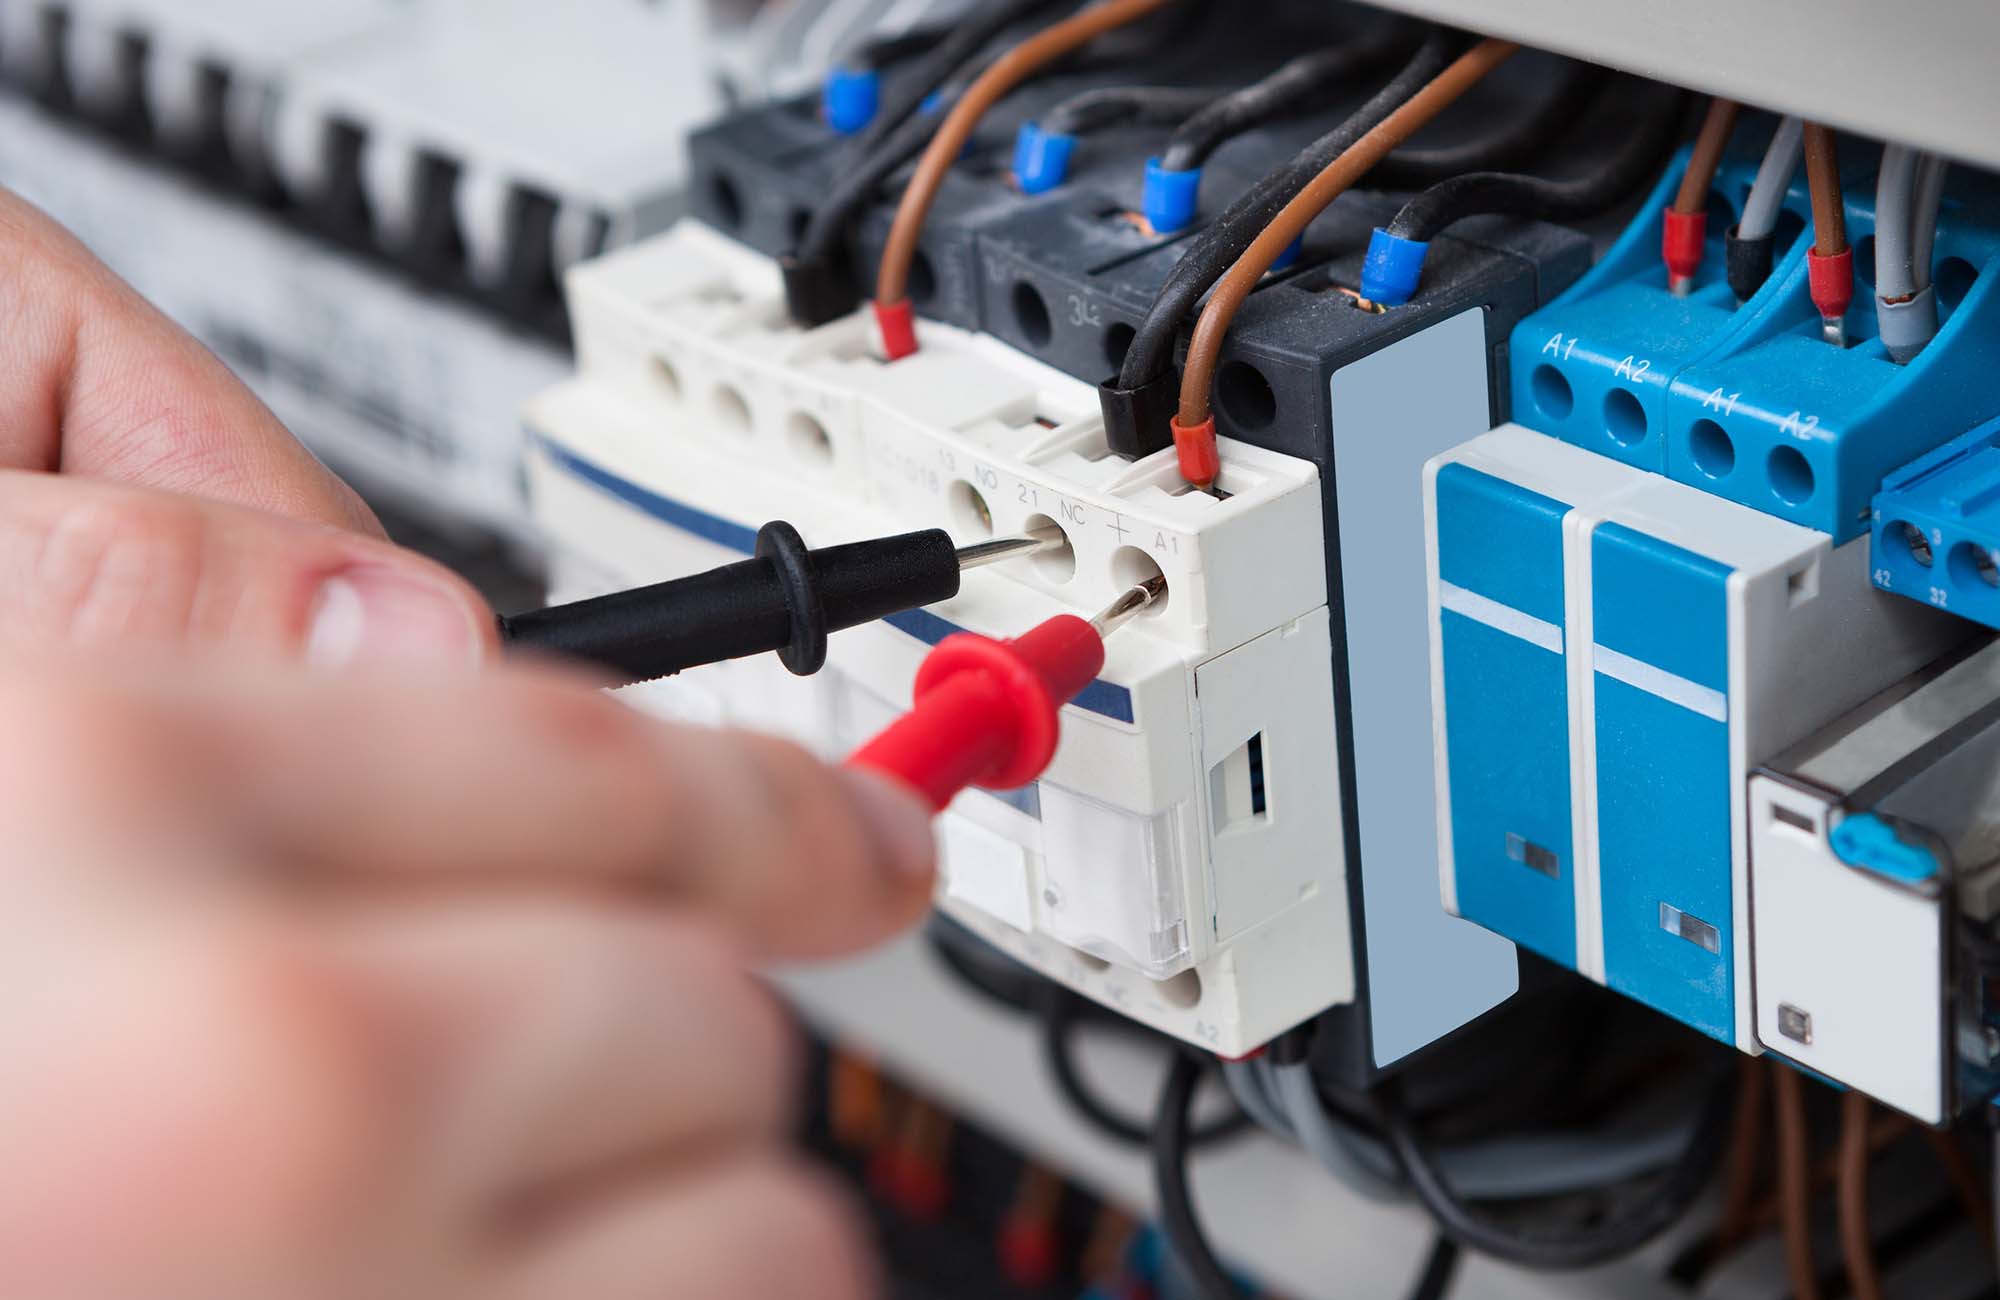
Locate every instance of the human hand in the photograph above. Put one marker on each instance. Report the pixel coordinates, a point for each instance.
(147, 497)
(340, 986)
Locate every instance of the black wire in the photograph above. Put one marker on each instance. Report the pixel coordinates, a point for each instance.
(1218, 247)
(1565, 1248)
(1427, 215)
(1515, 143)
(1178, 1222)
(881, 51)
(1305, 83)
(1061, 1013)
(898, 131)
(1440, 1270)
(1109, 106)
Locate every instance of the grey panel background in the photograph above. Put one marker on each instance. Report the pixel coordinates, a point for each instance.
(1919, 72)
(1428, 972)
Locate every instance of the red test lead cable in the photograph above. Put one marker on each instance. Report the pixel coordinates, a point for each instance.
(987, 712)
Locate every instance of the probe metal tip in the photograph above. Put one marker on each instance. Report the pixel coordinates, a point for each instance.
(1034, 542)
(1134, 602)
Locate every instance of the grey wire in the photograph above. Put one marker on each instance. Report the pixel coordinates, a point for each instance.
(1337, 1151)
(1774, 178)
(1929, 195)
(1244, 1086)
(1894, 188)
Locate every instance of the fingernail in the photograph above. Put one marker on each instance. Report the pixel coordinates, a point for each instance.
(377, 614)
(900, 821)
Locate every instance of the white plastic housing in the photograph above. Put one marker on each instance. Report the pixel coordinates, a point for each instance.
(1138, 866)
(1861, 958)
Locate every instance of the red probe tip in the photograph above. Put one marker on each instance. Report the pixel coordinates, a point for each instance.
(898, 323)
(1681, 244)
(987, 712)
(1201, 460)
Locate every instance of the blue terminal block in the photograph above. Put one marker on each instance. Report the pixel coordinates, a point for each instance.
(1937, 528)
(1781, 420)
(1595, 366)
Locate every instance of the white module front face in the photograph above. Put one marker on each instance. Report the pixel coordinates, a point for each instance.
(1195, 800)
(1851, 965)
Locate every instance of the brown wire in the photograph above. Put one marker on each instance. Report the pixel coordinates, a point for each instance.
(1884, 1132)
(1198, 377)
(1707, 156)
(892, 280)
(1746, 1150)
(1795, 1183)
(1965, 1182)
(1823, 179)
(1864, 1278)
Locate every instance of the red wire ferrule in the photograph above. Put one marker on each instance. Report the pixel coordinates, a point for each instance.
(987, 712)
(1200, 458)
(898, 323)
(1831, 282)
(1029, 1251)
(1682, 242)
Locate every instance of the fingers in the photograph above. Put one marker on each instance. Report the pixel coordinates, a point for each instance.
(85, 565)
(98, 383)
(479, 783)
(545, 1049)
(753, 1230)
(524, 777)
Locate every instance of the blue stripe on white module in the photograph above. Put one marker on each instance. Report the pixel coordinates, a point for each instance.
(1106, 699)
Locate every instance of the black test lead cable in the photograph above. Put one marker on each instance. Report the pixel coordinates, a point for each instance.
(785, 599)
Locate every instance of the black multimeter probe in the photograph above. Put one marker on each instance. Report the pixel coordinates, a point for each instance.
(786, 599)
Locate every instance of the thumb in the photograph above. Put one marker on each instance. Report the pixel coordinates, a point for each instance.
(86, 564)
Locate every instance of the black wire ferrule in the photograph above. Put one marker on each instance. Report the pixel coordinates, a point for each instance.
(1748, 263)
(817, 290)
(1139, 421)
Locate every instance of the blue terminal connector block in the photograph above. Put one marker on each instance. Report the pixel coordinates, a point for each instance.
(1937, 528)
(1595, 366)
(850, 99)
(1783, 421)
(1041, 158)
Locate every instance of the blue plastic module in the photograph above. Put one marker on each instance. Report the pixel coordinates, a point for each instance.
(1937, 528)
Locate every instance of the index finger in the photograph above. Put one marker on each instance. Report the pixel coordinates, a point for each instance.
(100, 383)
(529, 780)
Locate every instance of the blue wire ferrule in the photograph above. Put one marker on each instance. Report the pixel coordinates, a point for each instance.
(1285, 260)
(1041, 158)
(1171, 198)
(850, 98)
(1393, 269)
